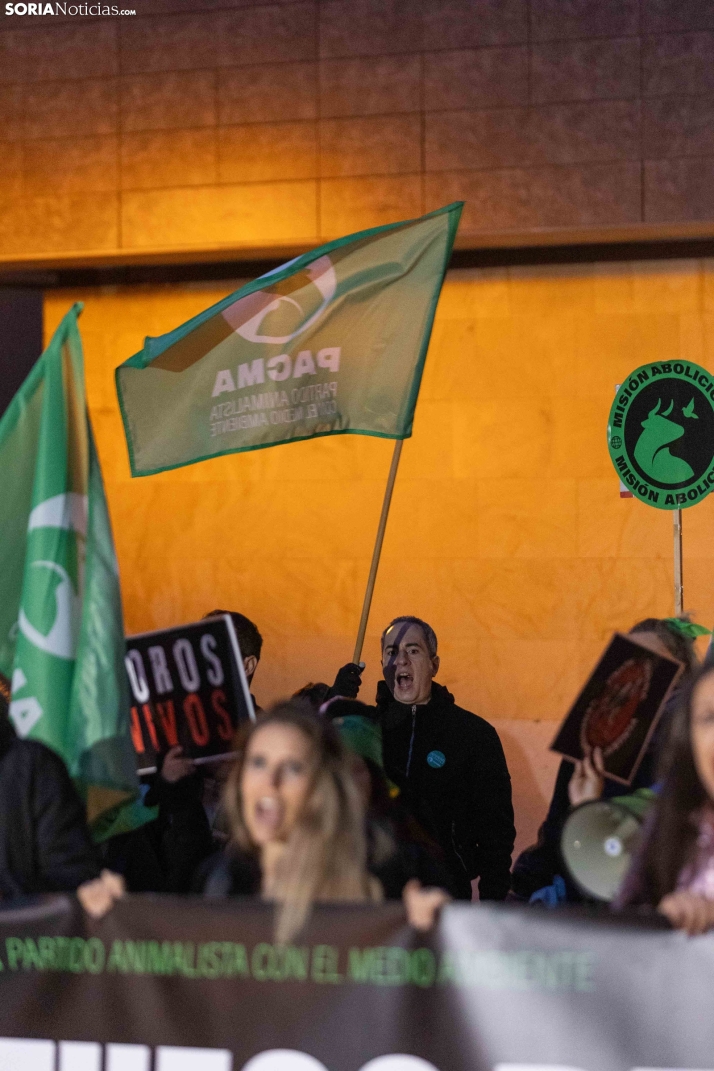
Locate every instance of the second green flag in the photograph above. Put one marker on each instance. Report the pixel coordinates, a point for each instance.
(61, 631)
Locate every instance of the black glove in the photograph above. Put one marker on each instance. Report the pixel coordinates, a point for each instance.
(347, 682)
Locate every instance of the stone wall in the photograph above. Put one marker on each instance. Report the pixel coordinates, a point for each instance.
(202, 124)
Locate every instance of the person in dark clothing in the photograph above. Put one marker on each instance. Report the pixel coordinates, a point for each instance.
(249, 640)
(298, 825)
(537, 866)
(398, 849)
(296, 819)
(673, 867)
(45, 844)
(448, 764)
(162, 855)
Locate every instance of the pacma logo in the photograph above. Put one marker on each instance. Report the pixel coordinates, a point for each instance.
(30, 1054)
(278, 368)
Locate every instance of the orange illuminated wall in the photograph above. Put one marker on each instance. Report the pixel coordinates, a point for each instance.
(507, 530)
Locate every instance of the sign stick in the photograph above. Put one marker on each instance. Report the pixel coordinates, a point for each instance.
(377, 550)
(678, 576)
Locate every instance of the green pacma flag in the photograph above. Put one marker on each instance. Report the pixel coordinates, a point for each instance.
(61, 633)
(332, 342)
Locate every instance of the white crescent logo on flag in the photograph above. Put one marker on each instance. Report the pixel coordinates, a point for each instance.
(69, 512)
(321, 273)
(61, 640)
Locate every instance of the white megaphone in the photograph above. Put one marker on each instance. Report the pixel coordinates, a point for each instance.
(599, 840)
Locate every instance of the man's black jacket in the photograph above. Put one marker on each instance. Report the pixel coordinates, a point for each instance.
(44, 841)
(452, 774)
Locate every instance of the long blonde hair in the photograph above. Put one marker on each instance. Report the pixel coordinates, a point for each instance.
(326, 853)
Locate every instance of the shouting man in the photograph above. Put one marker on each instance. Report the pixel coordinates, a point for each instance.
(448, 763)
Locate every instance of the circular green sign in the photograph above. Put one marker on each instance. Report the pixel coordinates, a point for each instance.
(661, 434)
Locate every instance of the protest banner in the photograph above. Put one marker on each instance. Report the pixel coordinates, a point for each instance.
(185, 984)
(660, 436)
(619, 706)
(61, 631)
(188, 687)
(331, 343)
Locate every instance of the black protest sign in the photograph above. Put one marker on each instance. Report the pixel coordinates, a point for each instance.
(188, 687)
(619, 707)
(185, 984)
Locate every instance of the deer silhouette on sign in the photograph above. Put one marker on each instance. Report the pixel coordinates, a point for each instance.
(652, 448)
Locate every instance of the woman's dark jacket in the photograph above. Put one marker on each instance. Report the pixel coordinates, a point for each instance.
(45, 845)
(453, 778)
(394, 858)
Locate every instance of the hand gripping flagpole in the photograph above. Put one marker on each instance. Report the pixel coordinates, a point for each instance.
(366, 605)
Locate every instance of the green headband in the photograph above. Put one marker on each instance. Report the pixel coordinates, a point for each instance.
(688, 629)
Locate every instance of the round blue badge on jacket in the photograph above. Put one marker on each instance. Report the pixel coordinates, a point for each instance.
(436, 759)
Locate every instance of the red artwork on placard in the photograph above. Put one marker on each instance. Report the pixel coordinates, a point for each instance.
(610, 718)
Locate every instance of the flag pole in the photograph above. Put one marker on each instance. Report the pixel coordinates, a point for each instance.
(377, 550)
(678, 577)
